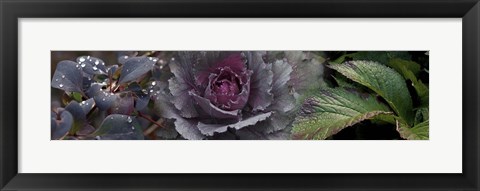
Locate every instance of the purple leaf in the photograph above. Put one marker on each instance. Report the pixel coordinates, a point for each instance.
(123, 105)
(214, 111)
(182, 84)
(185, 127)
(135, 67)
(67, 77)
(119, 127)
(92, 65)
(210, 129)
(260, 83)
(87, 105)
(283, 100)
(61, 126)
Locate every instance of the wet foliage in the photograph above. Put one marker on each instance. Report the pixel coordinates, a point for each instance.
(209, 95)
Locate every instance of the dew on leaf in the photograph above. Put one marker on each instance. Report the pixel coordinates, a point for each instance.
(153, 83)
(129, 119)
(82, 59)
(94, 68)
(60, 85)
(83, 65)
(63, 76)
(97, 62)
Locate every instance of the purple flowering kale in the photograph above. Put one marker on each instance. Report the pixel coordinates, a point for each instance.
(236, 95)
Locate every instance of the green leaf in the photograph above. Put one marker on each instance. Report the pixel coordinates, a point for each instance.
(346, 83)
(422, 92)
(382, 80)
(402, 66)
(409, 70)
(421, 115)
(418, 132)
(379, 56)
(341, 59)
(332, 110)
(77, 96)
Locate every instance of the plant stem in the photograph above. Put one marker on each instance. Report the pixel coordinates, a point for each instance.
(84, 95)
(156, 124)
(153, 127)
(110, 83)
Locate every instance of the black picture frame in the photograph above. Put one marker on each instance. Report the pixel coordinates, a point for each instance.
(12, 10)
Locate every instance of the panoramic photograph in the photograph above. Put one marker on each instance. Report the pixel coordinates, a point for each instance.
(239, 95)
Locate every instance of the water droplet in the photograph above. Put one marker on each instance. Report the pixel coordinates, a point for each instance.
(173, 59)
(125, 57)
(151, 91)
(97, 62)
(78, 65)
(60, 85)
(83, 65)
(86, 103)
(127, 70)
(161, 61)
(88, 57)
(155, 60)
(153, 83)
(111, 117)
(63, 76)
(94, 68)
(129, 119)
(103, 99)
(144, 91)
(83, 102)
(133, 128)
(150, 58)
(82, 59)
(161, 67)
(56, 80)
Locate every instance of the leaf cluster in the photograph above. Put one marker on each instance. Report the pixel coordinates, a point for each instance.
(107, 101)
(376, 86)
